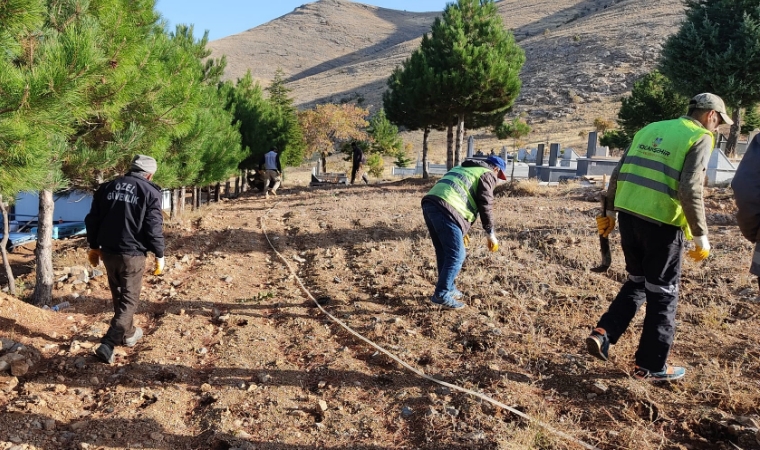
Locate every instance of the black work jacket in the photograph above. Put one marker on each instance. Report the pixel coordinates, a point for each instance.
(125, 217)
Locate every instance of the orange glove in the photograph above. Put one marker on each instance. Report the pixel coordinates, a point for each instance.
(94, 256)
(160, 262)
(493, 243)
(606, 223)
(466, 240)
(701, 249)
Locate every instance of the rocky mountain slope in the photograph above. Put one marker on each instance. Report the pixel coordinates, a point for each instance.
(581, 55)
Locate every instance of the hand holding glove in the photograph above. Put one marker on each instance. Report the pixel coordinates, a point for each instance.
(493, 243)
(606, 223)
(701, 249)
(466, 240)
(159, 266)
(94, 256)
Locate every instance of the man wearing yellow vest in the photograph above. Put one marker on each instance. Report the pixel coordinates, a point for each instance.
(656, 191)
(450, 209)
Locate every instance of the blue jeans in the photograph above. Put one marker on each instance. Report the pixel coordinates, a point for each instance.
(449, 248)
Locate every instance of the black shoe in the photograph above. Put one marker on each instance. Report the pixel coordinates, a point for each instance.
(598, 344)
(105, 353)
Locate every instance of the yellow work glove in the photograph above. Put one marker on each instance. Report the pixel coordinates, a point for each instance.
(94, 256)
(701, 249)
(159, 266)
(493, 243)
(606, 224)
(466, 240)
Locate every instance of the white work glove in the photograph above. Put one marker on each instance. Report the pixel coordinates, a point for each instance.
(160, 264)
(493, 243)
(701, 249)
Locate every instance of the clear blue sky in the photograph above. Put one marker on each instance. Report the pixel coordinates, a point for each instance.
(227, 17)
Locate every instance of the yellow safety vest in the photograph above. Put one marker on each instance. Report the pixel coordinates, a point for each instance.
(458, 188)
(648, 181)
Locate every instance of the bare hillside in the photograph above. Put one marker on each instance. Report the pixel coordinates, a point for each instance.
(581, 56)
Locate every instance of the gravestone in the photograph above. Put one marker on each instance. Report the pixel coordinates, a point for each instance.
(470, 146)
(592, 141)
(553, 153)
(540, 155)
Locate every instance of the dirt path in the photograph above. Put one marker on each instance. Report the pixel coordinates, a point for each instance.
(235, 355)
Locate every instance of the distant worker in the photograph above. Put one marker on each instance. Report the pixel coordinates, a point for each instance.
(450, 209)
(272, 172)
(125, 223)
(479, 153)
(656, 190)
(358, 163)
(746, 187)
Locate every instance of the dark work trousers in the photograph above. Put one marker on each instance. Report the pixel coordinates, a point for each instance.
(653, 255)
(125, 274)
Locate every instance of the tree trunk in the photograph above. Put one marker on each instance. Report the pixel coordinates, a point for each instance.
(217, 192)
(449, 147)
(227, 188)
(43, 253)
(199, 197)
(733, 136)
(425, 135)
(182, 194)
(324, 162)
(460, 140)
(3, 243)
(173, 203)
(193, 198)
(237, 185)
(244, 176)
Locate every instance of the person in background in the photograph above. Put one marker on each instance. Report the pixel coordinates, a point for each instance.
(450, 209)
(358, 163)
(746, 187)
(272, 171)
(656, 193)
(124, 223)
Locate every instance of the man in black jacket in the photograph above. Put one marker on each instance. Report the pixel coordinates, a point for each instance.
(358, 161)
(125, 223)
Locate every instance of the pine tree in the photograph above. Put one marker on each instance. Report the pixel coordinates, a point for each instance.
(716, 50)
(476, 63)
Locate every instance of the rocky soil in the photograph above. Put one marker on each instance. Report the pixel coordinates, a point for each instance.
(237, 354)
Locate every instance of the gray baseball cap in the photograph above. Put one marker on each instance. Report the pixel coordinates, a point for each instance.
(144, 163)
(711, 101)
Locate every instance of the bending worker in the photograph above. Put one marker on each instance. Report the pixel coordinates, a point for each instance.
(450, 209)
(656, 191)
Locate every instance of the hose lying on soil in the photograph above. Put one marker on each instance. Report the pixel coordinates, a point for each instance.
(479, 395)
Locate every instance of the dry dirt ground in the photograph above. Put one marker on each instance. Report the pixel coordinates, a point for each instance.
(236, 355)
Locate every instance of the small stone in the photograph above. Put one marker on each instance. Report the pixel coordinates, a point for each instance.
(478, 435)
(205, 387)
(322, 405)
(49, 424)
(264, 377)
(591, 396)
(19, 368)
(228, 280)
(202, 351)
(406, 412)
(94, 380)
(59, 388)
(4, 366)
(156, 436)
(453, 412)
(599, 388)
(76, 426)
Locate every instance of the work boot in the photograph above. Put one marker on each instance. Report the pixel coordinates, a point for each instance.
(669, 373)
(131, 341)
(598, 344)
(104, 352)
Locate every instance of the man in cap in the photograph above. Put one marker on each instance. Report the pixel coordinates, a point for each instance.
(450, 209)
(656, 192)
(125, 223)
